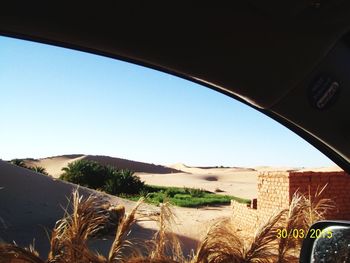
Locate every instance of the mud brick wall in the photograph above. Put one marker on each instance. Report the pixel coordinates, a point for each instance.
(276, 189)
(273, 192)
(244, 217)
(337, 189)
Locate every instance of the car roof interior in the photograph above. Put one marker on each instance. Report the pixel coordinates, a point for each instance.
(267, 54)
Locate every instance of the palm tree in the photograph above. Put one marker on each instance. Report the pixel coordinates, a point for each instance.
(86, 173)
(18, 162)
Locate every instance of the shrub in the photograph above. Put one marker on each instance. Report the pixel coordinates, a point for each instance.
(123, 182)
(38, 169)
(171, 192)
(195, 192)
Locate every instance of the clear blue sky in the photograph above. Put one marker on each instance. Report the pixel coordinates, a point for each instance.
(56, 101)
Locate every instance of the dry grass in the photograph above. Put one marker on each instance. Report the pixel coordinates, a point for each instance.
(166, 245)
(70, 235)
(11, 253)
(120, 243)
(303, 212)
(316, 207)
(292, 219)
(222, 243)
(262, 247)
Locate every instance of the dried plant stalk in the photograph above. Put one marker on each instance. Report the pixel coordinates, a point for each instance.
(120, 242)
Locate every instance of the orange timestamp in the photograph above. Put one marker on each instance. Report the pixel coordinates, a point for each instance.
(301, 233)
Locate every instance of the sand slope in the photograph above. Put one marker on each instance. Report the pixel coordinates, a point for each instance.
(53, 165)
(31, 203)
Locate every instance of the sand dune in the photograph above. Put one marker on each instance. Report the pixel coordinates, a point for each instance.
(323, 169)
(276, 168)
(131, 165)
(333, 168)
(206, 170)
(31, 203)
(54, 165)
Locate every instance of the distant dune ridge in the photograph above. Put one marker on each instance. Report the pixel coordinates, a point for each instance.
(209, 169)
(54, 165)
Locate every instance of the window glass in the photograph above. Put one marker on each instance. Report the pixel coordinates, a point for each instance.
(132, 132)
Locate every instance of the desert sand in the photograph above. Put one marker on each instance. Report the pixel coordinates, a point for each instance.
(31, 203)
(236, 183)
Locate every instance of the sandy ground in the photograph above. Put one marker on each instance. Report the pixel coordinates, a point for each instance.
(240, 184)
(31, 203)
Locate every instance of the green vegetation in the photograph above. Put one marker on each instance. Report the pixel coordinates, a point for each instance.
(87, 173)
(126, 184)
(123, 182)
(38, 169)
(107, 178)
(185, 197)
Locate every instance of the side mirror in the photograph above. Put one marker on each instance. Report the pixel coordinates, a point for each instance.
(327, 241)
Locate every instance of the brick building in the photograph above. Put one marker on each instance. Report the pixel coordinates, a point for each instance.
(276, 189)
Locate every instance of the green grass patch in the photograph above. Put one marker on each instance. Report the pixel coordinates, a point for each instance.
(184, 197)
